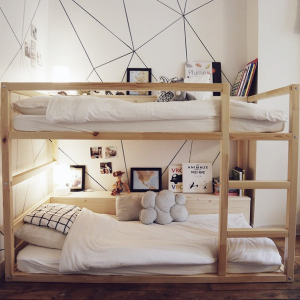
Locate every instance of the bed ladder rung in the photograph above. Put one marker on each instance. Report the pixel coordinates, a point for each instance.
(257, 232)
(259, 184)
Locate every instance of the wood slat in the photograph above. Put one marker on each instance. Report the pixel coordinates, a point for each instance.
(270, 94)
(257, 232)
(116, 135)
(18, 222)
(123, 86)
(224, 166)
(254, 136)
(31, 173)
(259, 184)
(202, 278)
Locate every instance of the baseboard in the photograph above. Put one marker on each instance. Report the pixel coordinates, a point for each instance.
(2, 269)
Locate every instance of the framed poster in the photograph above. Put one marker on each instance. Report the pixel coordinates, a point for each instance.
(141, 75)
(145, 179)
(77, 178)
(197, 177)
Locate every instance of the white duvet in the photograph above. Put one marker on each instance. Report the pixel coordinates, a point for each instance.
(98, 241)
(82, 109)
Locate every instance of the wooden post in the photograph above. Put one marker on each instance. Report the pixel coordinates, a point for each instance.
(289, 253)
(6, 181)
(223, 206)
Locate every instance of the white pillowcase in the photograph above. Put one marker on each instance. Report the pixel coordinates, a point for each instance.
(205, 78)
(41, 236)
(32, 106)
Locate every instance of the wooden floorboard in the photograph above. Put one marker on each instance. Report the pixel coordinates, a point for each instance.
(241, 291)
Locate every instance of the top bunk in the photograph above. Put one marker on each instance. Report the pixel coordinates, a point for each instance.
(42, 113)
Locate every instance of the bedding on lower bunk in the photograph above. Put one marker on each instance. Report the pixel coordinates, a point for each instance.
(99, 244)
(61, 113)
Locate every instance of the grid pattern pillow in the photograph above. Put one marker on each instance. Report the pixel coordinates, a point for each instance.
(53, 215)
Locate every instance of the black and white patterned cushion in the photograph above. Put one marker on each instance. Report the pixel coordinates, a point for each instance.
(53, 215)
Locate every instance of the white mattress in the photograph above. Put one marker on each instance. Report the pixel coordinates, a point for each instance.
(244, 255)
(40, 123)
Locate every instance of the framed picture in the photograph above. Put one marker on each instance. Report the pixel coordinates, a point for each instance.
(77, 178)
(145, 179)
(138, 75)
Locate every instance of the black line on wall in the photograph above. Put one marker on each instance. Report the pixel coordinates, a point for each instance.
(22, 41)
(158, 34)
(127, 67)
(216, 157)
(10, 26)
(102, 25)
(191, 149)
(80, 41)
(199, 7)
(168, 6)
(113, 60)
(124, 158)
(173, 158)
(128, 24)
(145, 65)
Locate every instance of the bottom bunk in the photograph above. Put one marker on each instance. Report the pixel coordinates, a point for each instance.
(121, 251)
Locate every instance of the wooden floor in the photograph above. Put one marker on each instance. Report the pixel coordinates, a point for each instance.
(242, 291)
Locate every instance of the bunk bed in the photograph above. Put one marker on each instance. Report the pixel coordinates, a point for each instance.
(224, 132)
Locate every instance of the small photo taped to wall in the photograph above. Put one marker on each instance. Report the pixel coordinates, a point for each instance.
(111, 152)
(96, 152)
(106, 168)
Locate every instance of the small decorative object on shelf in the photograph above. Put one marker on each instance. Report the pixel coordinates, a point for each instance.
(77, 178)
(197, 177)
(118, 186)
(239, 174)
(145, 179)
(216, 186)
(244, 79)
(175, 178)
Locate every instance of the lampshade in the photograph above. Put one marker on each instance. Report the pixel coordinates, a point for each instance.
(61, 74)
(61, 176)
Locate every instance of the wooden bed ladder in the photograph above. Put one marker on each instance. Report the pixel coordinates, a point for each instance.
(289, 232)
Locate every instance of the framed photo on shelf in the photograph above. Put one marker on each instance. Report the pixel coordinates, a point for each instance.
(145, 179)
(77, 178)
(139, 75)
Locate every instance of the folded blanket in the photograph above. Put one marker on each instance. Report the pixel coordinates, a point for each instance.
(82, 109)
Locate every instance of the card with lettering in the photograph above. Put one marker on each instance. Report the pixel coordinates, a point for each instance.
(175, 178)
(197, 178)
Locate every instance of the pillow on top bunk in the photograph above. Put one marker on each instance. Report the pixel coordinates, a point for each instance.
(204, 78)
(41, 236)
(168, 96)
(54, 215)
(128, 207)
(32, 106)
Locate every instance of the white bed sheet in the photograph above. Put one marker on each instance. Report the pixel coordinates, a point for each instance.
(40, 123)
(244, 255)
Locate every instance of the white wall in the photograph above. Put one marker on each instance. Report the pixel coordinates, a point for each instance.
(278, 52)
(16, 18)
(212, 32)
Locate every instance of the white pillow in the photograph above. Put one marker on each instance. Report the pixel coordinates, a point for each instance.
(128, 207)
(205, 78)
(41, 236)
(32, 106)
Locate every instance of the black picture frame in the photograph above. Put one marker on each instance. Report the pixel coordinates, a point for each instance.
(77, 178)
(139, 75)
(137, 185)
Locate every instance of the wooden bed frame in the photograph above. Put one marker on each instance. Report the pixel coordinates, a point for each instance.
(246, 159)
